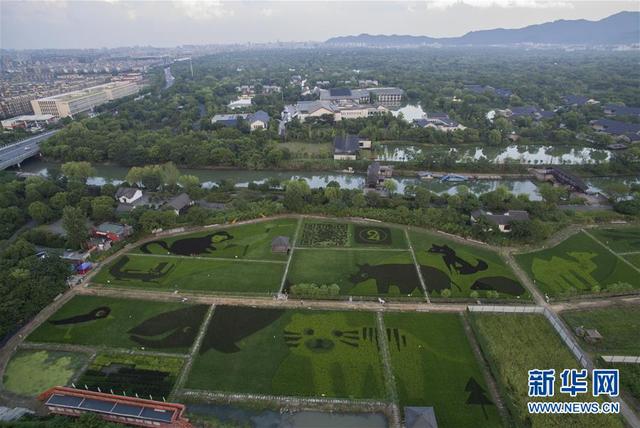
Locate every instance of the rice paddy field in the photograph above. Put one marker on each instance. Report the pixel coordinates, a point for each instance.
(517, 343)
(629, 380)
(620, 239)
(126, 374)
(330, 233)
(577, 265)
(463, 269)
(434, 366)
(357, 272)
(31, 372)
(634, 259)
(250, 241)
(290, 352)
(192, 274)
(619, 326)
(123, 323)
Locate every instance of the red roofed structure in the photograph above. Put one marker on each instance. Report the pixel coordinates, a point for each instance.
(114, 408)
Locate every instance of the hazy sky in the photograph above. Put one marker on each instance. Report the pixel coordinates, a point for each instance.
(113, 23)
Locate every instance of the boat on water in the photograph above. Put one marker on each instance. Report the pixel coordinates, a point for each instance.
(453, 178)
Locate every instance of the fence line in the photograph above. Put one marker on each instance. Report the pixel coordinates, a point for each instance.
(525, 309)
(627, 359)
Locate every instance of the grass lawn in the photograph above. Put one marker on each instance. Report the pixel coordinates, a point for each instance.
(286, 352)
(619, 325)
(31, 372)
(620, 240)
(577, 265)
(183, 273)
(517, 343)
(308, 150)
(463, 269)
(124, 323)
(357, 272)
(132, 374)
(634, 259)
(434, 366)
(251, 241)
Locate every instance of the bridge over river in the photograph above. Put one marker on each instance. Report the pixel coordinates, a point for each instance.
(16, 153)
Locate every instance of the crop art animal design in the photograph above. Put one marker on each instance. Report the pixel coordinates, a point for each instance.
(95, 314)
(118, 271)
(173, 329)
(402, 276)
(452, 261)
(501, 284)
(191, 246)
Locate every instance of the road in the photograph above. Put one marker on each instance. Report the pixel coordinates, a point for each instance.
(15, 153)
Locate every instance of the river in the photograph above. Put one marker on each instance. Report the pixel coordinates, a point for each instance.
(523, 154)
(316, 179)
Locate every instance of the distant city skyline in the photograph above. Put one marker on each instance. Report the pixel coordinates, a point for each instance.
(37, 24)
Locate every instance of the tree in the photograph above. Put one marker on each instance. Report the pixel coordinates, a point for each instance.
(494, 137)
(390, 185)
(78, 171)
(170, 175)
(102, 208)
(74, 223)
(40, 212)
(332, 193)
(59, 200)
(551, 195)
(296, 192)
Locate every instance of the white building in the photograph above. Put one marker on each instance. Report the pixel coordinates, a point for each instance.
(29, 121)
(83, 100)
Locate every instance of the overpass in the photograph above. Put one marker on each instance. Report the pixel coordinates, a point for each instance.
(16, 153)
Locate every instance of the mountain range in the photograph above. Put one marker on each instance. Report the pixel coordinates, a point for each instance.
(620, 29)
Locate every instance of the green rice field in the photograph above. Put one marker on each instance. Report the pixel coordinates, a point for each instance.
(123, 323)
(31, 372)
(517, 343)
(463, 270)
(434, 366)
(577, 265)
(287, 352)
(619, 326)
(619, 239)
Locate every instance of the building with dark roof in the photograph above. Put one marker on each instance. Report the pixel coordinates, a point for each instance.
(383, 96)
(257, 120)
(626, 131)
(128, 195)
(620, 110)
(114, 408)
(346, 147)
(503, 221)
(179, 203)
(113, 231)
(440, 121)
(377, 174)
(577, 100)
(280, 244)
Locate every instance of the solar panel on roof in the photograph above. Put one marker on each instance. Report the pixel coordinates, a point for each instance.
(127, 409)
(157, 414)
(64, 400)
(100, 405)
(340, 92)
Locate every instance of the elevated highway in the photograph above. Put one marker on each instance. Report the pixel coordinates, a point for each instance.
(16, 153)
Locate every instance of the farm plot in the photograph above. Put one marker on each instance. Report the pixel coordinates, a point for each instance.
(124, 323)
(31, 372)
(252, 241)
(629, 378)
(126, 374)
(620, 240)
(634, 259)
(434, 366)
(357, 272)
(578, 265)
(181, 273)
(285, 352)
(517, 343)
(330, 234)
(619, 326)
(459, 270)
(324, 234)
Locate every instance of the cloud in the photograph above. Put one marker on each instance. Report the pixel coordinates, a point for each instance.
(203, 9)
(531, 4)
(266, 11)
